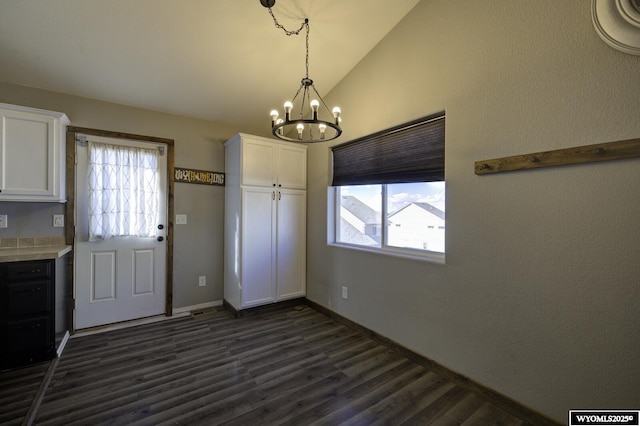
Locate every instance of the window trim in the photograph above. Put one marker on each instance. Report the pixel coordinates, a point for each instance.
(384, 249)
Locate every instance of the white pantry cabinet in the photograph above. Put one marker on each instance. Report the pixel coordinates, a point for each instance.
(265, 221)
(32, 154)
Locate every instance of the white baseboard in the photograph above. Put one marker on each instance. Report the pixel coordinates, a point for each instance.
(177, 311)
(127, 324)
(63, 343)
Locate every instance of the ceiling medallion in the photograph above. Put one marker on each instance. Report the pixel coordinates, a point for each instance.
(617, 22)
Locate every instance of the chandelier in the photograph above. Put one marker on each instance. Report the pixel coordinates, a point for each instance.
(302, 122)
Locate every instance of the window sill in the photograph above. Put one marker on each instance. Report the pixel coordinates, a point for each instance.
(426, 256)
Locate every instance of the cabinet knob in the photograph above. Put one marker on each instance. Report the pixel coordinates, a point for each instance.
(160, 238)
(161, 226)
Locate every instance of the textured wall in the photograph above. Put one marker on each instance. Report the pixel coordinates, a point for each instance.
(538, 297)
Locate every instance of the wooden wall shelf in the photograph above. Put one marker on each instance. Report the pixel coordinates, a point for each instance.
(560, 157)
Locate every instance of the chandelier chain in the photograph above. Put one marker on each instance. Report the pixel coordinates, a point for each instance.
(286, 31)
(306, 60)
(304, 25)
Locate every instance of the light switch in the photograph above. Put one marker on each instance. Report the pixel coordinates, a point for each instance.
(181, 219)
(58, 220)
(3, 221)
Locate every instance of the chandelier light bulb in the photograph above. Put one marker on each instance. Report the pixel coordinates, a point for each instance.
(336, 113)
(287, 110)
(274, 115)
(300, 128)
(322, 127)
(314, 106)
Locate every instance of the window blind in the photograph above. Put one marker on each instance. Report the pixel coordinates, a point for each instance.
(412, 152)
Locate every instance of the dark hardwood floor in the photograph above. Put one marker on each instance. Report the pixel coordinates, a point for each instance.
(18, 388)
(282, 365)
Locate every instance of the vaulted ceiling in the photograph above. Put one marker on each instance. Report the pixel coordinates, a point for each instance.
(220, 60)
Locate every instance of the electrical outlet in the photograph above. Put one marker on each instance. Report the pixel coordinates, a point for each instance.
(3, 221)
(345, 293)
(202, 281)
(181, 219)
(58, 220)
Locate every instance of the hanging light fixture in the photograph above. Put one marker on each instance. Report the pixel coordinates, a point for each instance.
(302, 122)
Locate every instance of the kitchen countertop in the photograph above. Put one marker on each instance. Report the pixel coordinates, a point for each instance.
(33, 253)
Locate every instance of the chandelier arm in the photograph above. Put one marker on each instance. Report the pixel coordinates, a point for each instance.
(321, 100)
(297, 93)
(305, 99)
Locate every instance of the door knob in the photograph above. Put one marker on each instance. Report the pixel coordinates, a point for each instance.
(160, 238)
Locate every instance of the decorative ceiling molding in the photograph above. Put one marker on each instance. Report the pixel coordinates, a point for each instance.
(617, 22)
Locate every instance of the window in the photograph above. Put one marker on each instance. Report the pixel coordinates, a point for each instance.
(390, 192)
(123, 191)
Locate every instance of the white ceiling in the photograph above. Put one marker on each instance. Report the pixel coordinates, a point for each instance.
(220, 60)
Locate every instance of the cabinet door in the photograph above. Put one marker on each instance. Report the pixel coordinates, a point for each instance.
(257, 278)
(258, 163)
(30, 156)
(292, 167)
(291, 244)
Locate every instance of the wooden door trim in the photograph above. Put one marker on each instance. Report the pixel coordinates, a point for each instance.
(72, 132)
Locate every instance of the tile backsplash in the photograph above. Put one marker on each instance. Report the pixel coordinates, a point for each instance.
(26, 242)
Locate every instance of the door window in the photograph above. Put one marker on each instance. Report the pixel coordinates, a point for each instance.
(123, 184)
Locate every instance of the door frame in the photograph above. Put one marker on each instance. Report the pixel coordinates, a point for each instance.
(69, 213)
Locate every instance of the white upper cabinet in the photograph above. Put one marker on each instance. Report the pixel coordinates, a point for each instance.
(270, 163)
(32, 154)
(258, 162)
(292, 167)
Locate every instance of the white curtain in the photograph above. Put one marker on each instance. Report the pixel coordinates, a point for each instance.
(123, 191)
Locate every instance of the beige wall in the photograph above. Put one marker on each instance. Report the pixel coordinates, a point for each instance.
(539, 295)
(198, 246)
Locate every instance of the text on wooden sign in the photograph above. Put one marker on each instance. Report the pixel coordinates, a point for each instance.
(198, 176)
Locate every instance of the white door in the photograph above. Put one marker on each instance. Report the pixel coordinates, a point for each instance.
(291, 243)
(258, 246)
(292, 167)
(118, 278)
(258, 163)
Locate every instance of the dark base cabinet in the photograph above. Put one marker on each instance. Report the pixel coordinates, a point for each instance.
(27, 333)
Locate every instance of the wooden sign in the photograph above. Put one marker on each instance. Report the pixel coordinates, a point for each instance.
(202, 177)
(559, 157)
